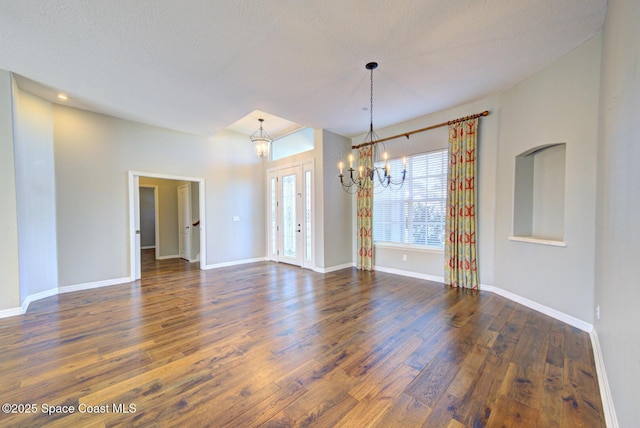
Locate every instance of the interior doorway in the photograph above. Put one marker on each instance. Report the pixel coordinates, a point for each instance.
(180, 232)
(149, 232)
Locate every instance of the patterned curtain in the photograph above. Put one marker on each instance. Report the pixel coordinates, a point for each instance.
(461, 267)
(365, 213)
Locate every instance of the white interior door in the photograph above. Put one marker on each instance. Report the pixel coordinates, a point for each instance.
(184, 221)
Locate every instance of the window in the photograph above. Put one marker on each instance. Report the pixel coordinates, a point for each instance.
(292, 144)
(416, 213)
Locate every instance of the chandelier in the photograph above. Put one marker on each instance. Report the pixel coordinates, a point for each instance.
(379, 168)
(261, 140)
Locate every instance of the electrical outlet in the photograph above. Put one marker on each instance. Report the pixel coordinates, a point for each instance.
(598, 312)
(404, 257)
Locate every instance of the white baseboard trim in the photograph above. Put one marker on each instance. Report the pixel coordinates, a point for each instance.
(233, 263)
(575, 322)
(611, 420)
(333, 268)
(175, 256)
(33, 297)
(148, 247)
(11, 312)
(90, 285)
(553, 313)
(410, 274)
(60, 290)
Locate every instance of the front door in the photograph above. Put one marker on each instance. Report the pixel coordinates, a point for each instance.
(290, 215)
(290, 203)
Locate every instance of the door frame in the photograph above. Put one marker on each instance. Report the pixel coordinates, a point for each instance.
(134, 217)
(186, 246)
(305, 166)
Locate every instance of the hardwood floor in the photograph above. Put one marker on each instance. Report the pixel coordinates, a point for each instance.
(272, 345)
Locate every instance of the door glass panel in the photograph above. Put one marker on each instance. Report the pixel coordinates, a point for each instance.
(274, 217)
(289, 215)
(307, 214)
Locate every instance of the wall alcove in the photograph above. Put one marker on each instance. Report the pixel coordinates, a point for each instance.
(538, 204)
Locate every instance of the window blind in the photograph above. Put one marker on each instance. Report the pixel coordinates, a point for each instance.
(415, 214)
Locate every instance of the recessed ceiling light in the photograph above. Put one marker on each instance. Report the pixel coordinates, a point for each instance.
(62, 97)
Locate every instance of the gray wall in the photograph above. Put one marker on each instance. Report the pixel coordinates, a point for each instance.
(558, 104)
(549, 193)
(35, 194)
(9, 264)
(430, 263)
(334, 203)
(147, 217)
(617, 287)
(94, 154)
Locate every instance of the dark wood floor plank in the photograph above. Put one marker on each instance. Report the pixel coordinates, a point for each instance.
(404, 412)
(270, 345)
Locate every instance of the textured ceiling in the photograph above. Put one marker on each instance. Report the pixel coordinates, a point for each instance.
(200, 66)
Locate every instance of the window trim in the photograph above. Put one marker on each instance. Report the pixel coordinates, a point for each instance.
(409, 247)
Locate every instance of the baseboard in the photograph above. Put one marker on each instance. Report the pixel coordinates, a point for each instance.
(575, 322)
(175, 256)
(11, 312)
(149, 247)
(90, 285)
(233, 263)
(60, 290)
(410, 274)
(333, 268)
(553, 313)
(610, 417)
(33, 297)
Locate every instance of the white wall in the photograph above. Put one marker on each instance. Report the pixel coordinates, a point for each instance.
(94, 154)
(557, 105)
(617, 284)
(9, 265)
(35, 194)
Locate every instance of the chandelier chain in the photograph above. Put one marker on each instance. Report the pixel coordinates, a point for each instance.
(371, 103)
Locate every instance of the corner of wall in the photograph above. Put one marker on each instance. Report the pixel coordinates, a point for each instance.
(9, 261)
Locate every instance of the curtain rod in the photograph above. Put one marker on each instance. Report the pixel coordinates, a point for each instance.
(407, 134)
